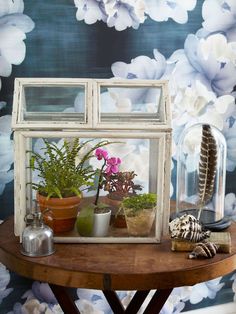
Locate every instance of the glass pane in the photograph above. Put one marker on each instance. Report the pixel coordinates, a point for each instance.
(124, 104)
(132, 171)
(59, 103)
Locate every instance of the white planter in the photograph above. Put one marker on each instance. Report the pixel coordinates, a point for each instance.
(101, 224)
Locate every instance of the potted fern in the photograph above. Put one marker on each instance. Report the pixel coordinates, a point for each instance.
(63, 172)
(140, 211)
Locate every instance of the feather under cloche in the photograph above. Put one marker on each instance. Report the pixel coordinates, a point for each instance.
(201, 171)
(207, 165)
(188, 227)
(204, 250)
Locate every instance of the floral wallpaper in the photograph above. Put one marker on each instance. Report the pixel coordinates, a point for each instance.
(192, 43)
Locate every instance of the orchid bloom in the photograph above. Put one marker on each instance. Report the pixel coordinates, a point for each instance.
(111, 164)
(101, 153)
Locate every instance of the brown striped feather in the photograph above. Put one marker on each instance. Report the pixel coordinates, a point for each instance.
(207, 165)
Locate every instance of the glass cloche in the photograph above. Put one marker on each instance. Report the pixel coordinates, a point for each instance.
(201, 162)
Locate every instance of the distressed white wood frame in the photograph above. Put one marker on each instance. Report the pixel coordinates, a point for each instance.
(92, 110)
(158, 170)
(93, 127)
(18, 121)
(163, 124)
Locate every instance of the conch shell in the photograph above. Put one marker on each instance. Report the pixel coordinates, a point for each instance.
(204, 250)
(188, 227)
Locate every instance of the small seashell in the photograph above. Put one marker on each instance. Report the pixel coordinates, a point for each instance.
(204, 250)
(193, 236)
(188, 227)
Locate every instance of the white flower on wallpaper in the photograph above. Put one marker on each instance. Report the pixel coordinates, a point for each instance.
(162, 10)
(198, 105)
(93, 301)
(190, 103)
(116, 13)
(141, 67)
(230, 205)
(6, 154)
(39, 299)
(35, 306)
(87, 307)
(210, 60)
(205, 290)
(220, 16)
(4, 281)
(122, 14)
(13, 26)
(90, 11)
(11, 7)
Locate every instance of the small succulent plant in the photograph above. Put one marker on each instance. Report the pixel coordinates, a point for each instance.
(139, 202)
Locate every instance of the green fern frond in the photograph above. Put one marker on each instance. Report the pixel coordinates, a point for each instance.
(59, 174)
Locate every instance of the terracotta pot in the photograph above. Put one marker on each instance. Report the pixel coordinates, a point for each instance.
(119, 221)
(61, 214)
(114, 201)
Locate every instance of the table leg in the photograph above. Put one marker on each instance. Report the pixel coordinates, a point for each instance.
(137, 301)
(114, 302)
(64, 299)
(157, 301)
(154, 306)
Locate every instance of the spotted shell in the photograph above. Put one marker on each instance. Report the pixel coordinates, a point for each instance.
(204, 250)
(188, 227)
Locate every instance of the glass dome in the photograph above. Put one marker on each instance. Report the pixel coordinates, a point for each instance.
(201, 162)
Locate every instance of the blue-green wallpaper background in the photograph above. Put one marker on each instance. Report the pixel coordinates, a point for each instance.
(59, 45)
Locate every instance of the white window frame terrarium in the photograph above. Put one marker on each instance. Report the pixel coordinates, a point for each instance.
(94, 127)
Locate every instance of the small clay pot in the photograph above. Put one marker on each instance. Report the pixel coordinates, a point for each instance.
(119, 221)
(61, 214)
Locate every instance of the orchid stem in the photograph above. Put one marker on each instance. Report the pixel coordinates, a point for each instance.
(99, 184)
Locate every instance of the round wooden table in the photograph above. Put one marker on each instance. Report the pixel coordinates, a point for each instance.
(111, 267)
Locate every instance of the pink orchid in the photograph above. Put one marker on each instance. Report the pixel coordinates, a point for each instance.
(113, 165)
(101, 153)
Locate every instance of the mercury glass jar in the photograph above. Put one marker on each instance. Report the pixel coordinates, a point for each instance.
(201, 170)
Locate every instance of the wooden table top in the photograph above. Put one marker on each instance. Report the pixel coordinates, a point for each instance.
(114, 266)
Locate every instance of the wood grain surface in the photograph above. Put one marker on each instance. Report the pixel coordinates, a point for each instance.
(114, 266)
